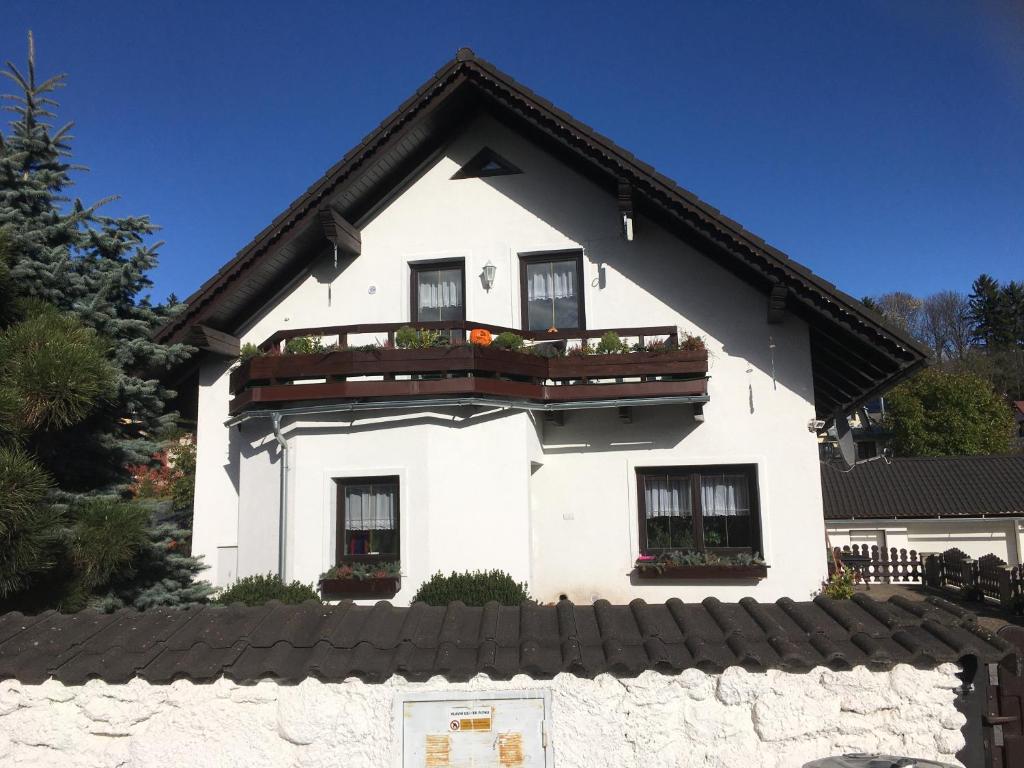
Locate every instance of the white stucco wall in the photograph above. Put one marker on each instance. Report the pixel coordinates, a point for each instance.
(572, 486)
(734, 720)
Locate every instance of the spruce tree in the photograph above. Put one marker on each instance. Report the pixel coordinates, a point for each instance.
(94, 266)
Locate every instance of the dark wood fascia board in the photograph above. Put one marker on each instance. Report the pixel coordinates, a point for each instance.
(339, 231)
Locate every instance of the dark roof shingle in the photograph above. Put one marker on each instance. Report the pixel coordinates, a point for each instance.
(334, 642)
(942, 486)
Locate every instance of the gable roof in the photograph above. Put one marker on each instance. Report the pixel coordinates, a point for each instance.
(336, 642)
(927, 487)
(855, 354)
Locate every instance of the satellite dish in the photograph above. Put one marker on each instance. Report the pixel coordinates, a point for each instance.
(844, 439)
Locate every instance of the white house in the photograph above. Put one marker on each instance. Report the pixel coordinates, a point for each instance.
(479, 205)
(928, 505)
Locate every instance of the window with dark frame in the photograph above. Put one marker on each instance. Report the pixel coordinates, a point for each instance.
(438, 291)
(368, 520)
(551, 287)
(699, 509)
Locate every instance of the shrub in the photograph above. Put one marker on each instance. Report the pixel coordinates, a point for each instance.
(840, 584)
(611, 344)
(408, 337)
(257, 590)
(248, 352)
(472, 588)
(579, 350)
(508, 340)
(304, 345)
(690, 343)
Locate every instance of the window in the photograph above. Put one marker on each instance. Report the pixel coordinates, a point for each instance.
(485, 163)
(367, 519)
(438, 291)
(552, 291)
(699, 509)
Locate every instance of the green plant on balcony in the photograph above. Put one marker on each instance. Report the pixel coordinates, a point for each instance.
(389, 569)
(691, 343)
(513, 342)
(304, 345)
(248, 352)
(611, 344)
(580, 350)
(408, 337)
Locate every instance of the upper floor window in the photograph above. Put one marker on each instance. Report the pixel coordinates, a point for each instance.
(438, 291)
(368, 518)
(699, 509)
(552, 291)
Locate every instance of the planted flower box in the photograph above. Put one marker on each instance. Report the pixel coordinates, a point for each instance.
(375, 586)
(670, 363)
(703, 571)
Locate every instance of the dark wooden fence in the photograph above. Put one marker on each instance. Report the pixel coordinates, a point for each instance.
(988, 577)
(877, 565)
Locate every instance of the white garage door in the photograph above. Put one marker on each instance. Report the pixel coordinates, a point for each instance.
(503, 730)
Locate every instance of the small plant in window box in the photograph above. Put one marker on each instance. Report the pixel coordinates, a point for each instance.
(361, 580)
(701, 565)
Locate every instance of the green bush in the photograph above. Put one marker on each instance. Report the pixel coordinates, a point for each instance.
(840, 584)
(257, 590)
(408, 337)
(611, 344)
(508, 340)
(304, 345)
(248, 352)
(476, 588)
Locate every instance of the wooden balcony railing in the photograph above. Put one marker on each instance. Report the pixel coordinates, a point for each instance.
(461, 369)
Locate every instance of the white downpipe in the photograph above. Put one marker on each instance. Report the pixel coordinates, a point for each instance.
(283, 502)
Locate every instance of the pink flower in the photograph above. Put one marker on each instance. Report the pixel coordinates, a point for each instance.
(646, 558)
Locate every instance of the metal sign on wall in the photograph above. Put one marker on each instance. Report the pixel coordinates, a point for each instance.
(495, 730)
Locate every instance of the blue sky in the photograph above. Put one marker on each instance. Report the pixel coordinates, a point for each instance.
(879, 143)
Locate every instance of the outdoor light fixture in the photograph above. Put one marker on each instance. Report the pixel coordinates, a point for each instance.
(488, 275)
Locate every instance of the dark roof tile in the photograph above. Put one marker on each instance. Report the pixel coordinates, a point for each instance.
(939, 486)
(291, 643)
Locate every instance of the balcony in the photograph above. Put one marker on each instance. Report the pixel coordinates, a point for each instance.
(553, 371)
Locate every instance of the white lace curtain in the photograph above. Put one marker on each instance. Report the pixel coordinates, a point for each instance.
(555, 281)
(370, 507)
(721, 496)
(724, 495)
(667, 497)
(439, 290)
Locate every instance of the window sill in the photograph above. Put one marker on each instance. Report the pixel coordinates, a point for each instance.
(683, 572)
(381, 586)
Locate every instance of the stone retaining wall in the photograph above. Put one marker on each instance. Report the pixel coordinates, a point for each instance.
(742, 719)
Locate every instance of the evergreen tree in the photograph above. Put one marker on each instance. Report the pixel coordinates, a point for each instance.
(93, 266)
(162, 574)
(79, 397)
(988, 312)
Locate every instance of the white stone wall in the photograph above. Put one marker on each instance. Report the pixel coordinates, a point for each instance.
(741, 719)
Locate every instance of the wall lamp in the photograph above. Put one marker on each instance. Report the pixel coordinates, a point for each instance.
(488, 274)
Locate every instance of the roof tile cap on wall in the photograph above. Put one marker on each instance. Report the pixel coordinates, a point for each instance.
(373, 643)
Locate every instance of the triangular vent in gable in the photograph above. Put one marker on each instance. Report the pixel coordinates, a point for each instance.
(486, 162)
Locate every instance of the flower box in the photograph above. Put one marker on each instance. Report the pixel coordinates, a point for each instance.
(716, 571)
(671, 363)
(376, 586)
